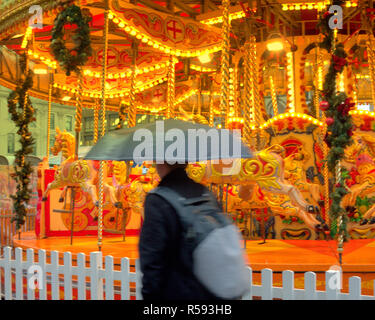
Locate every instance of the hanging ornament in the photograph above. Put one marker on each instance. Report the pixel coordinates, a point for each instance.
(324, 105)
(330, 121)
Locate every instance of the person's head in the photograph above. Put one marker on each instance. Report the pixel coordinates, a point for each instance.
(164, 168)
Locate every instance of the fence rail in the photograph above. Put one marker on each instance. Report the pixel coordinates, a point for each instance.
(8, 228)
(95, 279)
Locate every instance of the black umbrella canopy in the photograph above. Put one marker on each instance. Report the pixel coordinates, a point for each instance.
(169, 141)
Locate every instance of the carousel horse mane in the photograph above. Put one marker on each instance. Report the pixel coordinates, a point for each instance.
(370, 143)
(364, 143)
(65, 142)
(119, 172)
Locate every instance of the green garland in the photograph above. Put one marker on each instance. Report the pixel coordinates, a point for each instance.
(339, 123)
(22, 113)
(71, 60)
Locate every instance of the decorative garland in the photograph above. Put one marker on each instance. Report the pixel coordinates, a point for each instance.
(22, 113)
(336, 107)
(73, 59)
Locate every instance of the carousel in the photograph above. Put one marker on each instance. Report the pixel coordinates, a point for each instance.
(302, 94)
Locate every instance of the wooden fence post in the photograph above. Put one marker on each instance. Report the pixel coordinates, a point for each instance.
(55, 281)
(7, 273)
(43, 276)
(67, 276)
(109, 294)
(288, 285)
(125, 286)
(310, 286)
(355, 288)
(332, 282)
(81, 281)
(249, 275)
(19, 274)
(96, 282)
(267, 284)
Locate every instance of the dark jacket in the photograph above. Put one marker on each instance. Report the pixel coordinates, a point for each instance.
(165, 277)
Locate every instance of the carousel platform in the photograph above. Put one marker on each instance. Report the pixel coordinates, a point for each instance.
(278, 255)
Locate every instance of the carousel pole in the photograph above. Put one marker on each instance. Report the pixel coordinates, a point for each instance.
(291, 82)
(369, 25)
(249, 107)
(49, 114)
(103, 102)
(338, 178)
(274, 98)
(322, 117)
(225, 60)
(132, 113)
(256, 96)
(121, 115)
(236, 92)
(24, 116)
(371, 61)
(171, 89)
(211, 106)
(199, 95)
(96, 120)
(78, 115)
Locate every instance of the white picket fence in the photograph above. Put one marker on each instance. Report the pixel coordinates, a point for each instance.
(104, 282)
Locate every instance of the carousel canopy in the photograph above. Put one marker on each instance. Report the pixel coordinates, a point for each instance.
(187, 34)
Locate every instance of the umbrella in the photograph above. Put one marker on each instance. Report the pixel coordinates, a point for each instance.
(169, 141)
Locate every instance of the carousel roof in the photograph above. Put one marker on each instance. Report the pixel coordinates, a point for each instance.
(185, 29)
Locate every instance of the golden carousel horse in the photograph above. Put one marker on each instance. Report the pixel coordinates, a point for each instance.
(362, 154)
(295, 174)
(76, 173)
(133, 194)
(265, 170)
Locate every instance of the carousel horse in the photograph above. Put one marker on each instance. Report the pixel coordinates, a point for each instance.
(77, 173)
(295, 174)
(133, 194)
(362, 154)
(265, 170)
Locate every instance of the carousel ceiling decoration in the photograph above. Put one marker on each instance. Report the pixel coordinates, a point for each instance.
(192, 33)
(168, 34)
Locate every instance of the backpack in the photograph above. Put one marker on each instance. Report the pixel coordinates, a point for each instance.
(212, 242)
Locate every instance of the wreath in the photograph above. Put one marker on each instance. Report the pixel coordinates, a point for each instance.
(22, 113)
(72, 59)
(336, 107)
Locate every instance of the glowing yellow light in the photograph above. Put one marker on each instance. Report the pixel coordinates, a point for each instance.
(275, 45)
(205, 58)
